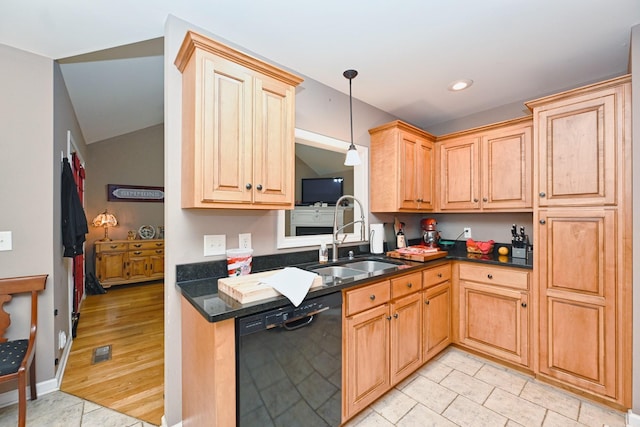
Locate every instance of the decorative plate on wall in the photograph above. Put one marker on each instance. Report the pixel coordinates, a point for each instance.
(147, 232)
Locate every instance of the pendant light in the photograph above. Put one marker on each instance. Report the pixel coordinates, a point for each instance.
(352, 158)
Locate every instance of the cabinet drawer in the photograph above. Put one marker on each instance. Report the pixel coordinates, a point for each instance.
(436, 275)
(406, 284)
(139, 245)
(367, 297)
(495, 275)
(146, 252)
(110, 247)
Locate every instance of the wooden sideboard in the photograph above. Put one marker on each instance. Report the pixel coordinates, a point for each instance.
(119, 262)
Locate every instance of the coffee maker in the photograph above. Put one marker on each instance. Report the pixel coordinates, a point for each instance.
(430, 235)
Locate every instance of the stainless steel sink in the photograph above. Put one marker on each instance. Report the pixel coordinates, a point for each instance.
(338, 271)
(370, 266)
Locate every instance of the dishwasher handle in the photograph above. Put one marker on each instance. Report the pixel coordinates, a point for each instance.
(292, 325)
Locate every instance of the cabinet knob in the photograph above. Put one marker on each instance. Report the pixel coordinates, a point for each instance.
(543, 222)
(395, 315)
(259, 187)
(524, 305)
(439, 275)
(372, 297)
(484, 199)
(419, 200)
(409, 285)
(427, 302)
(490, 276)
(388, 317)
(248, 186)
(543, 194)
(475, 200)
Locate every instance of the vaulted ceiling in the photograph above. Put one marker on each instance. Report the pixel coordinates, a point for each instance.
(407, 52)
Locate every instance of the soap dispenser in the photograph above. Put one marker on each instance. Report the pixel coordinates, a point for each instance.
(323, 253)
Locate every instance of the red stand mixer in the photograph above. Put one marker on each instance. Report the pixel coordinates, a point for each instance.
(430, 235)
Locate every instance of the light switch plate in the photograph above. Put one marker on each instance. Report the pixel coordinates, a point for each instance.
(215, 244)
(5, 241)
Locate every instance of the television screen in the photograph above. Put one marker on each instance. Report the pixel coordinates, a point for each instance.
(323, 190)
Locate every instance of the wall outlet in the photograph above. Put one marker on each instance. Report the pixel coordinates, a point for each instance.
(215, 244)
(5, 241)
(244, 240)
(467, 232)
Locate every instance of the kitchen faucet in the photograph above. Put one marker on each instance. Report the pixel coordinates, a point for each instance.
(336, 229)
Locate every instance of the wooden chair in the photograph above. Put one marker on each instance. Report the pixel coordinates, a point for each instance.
(18, 355)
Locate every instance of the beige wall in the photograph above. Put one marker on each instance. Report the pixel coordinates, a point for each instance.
(27, 199)
(135, 158)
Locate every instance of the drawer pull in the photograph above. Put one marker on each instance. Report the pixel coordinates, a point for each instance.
(409, 285)
(137, 245)
(159, 244)
(158, 251)
(395, 315)
(489, 276)
(439, 275)
(524, 305)
(372, 297)
(113, 246)
(137, 252)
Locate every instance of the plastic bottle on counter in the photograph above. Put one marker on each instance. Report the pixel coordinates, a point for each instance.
(323, 254)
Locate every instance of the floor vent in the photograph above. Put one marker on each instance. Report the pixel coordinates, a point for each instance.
(101, 354)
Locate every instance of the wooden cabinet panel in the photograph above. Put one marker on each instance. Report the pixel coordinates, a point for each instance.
(367, 297)
(460, 174)
(366, 373)
(434, 275)
(512, 278)
(405, 285)
(129, 261)
(406, 337)
(495, 320)
(436, 319)
(402, 169)
(578, 298)
(238, 128)
(488, 168)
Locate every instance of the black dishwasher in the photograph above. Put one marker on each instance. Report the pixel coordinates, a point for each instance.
(289, 365)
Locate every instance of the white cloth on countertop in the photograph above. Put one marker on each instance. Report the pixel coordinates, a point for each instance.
(292, 282)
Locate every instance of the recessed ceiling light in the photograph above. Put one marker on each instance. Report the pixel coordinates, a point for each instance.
(458, 85)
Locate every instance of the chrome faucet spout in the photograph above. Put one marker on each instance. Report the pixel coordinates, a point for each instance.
(336, 241)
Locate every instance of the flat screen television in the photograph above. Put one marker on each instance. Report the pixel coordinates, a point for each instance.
(324, 190)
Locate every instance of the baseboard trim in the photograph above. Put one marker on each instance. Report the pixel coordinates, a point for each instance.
(633, 420)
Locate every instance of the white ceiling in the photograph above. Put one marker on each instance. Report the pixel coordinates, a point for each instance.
(406, 51)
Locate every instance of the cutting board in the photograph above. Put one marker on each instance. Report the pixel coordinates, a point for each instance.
(247, 288)
(421, 257)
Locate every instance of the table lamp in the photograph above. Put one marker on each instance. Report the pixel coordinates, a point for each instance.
(105, 220)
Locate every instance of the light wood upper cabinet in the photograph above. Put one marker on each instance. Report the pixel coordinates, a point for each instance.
(580, 136)
(238, 128)
(488, 168)
(402, 169)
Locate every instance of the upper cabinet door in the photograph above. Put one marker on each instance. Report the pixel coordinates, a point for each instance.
(460, 174)
(227, 139)
(580, 140)
(274, 142)
(506, 168)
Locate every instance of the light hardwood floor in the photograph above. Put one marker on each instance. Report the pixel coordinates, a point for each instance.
(130, 319)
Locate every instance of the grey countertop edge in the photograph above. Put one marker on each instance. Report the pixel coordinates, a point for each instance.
(215, 307)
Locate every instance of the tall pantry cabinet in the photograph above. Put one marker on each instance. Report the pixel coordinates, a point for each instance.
(582, 220)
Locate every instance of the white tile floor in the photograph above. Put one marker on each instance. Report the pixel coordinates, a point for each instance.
(455, 389)
(459, 389)
(60, 409)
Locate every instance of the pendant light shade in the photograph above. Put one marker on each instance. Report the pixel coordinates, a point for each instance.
(353, 158)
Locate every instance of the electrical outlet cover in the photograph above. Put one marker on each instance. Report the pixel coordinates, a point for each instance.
(244, 240)
(215, 244)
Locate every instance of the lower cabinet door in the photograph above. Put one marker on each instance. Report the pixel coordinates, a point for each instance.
(436, 319)
(366, 359)
(138, 266)
(110, 267)
(494, 320)
(406, 337)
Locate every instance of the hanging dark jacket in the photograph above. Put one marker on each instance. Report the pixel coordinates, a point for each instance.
(74, 221)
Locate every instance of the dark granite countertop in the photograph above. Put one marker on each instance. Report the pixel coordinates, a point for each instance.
(199, 282)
